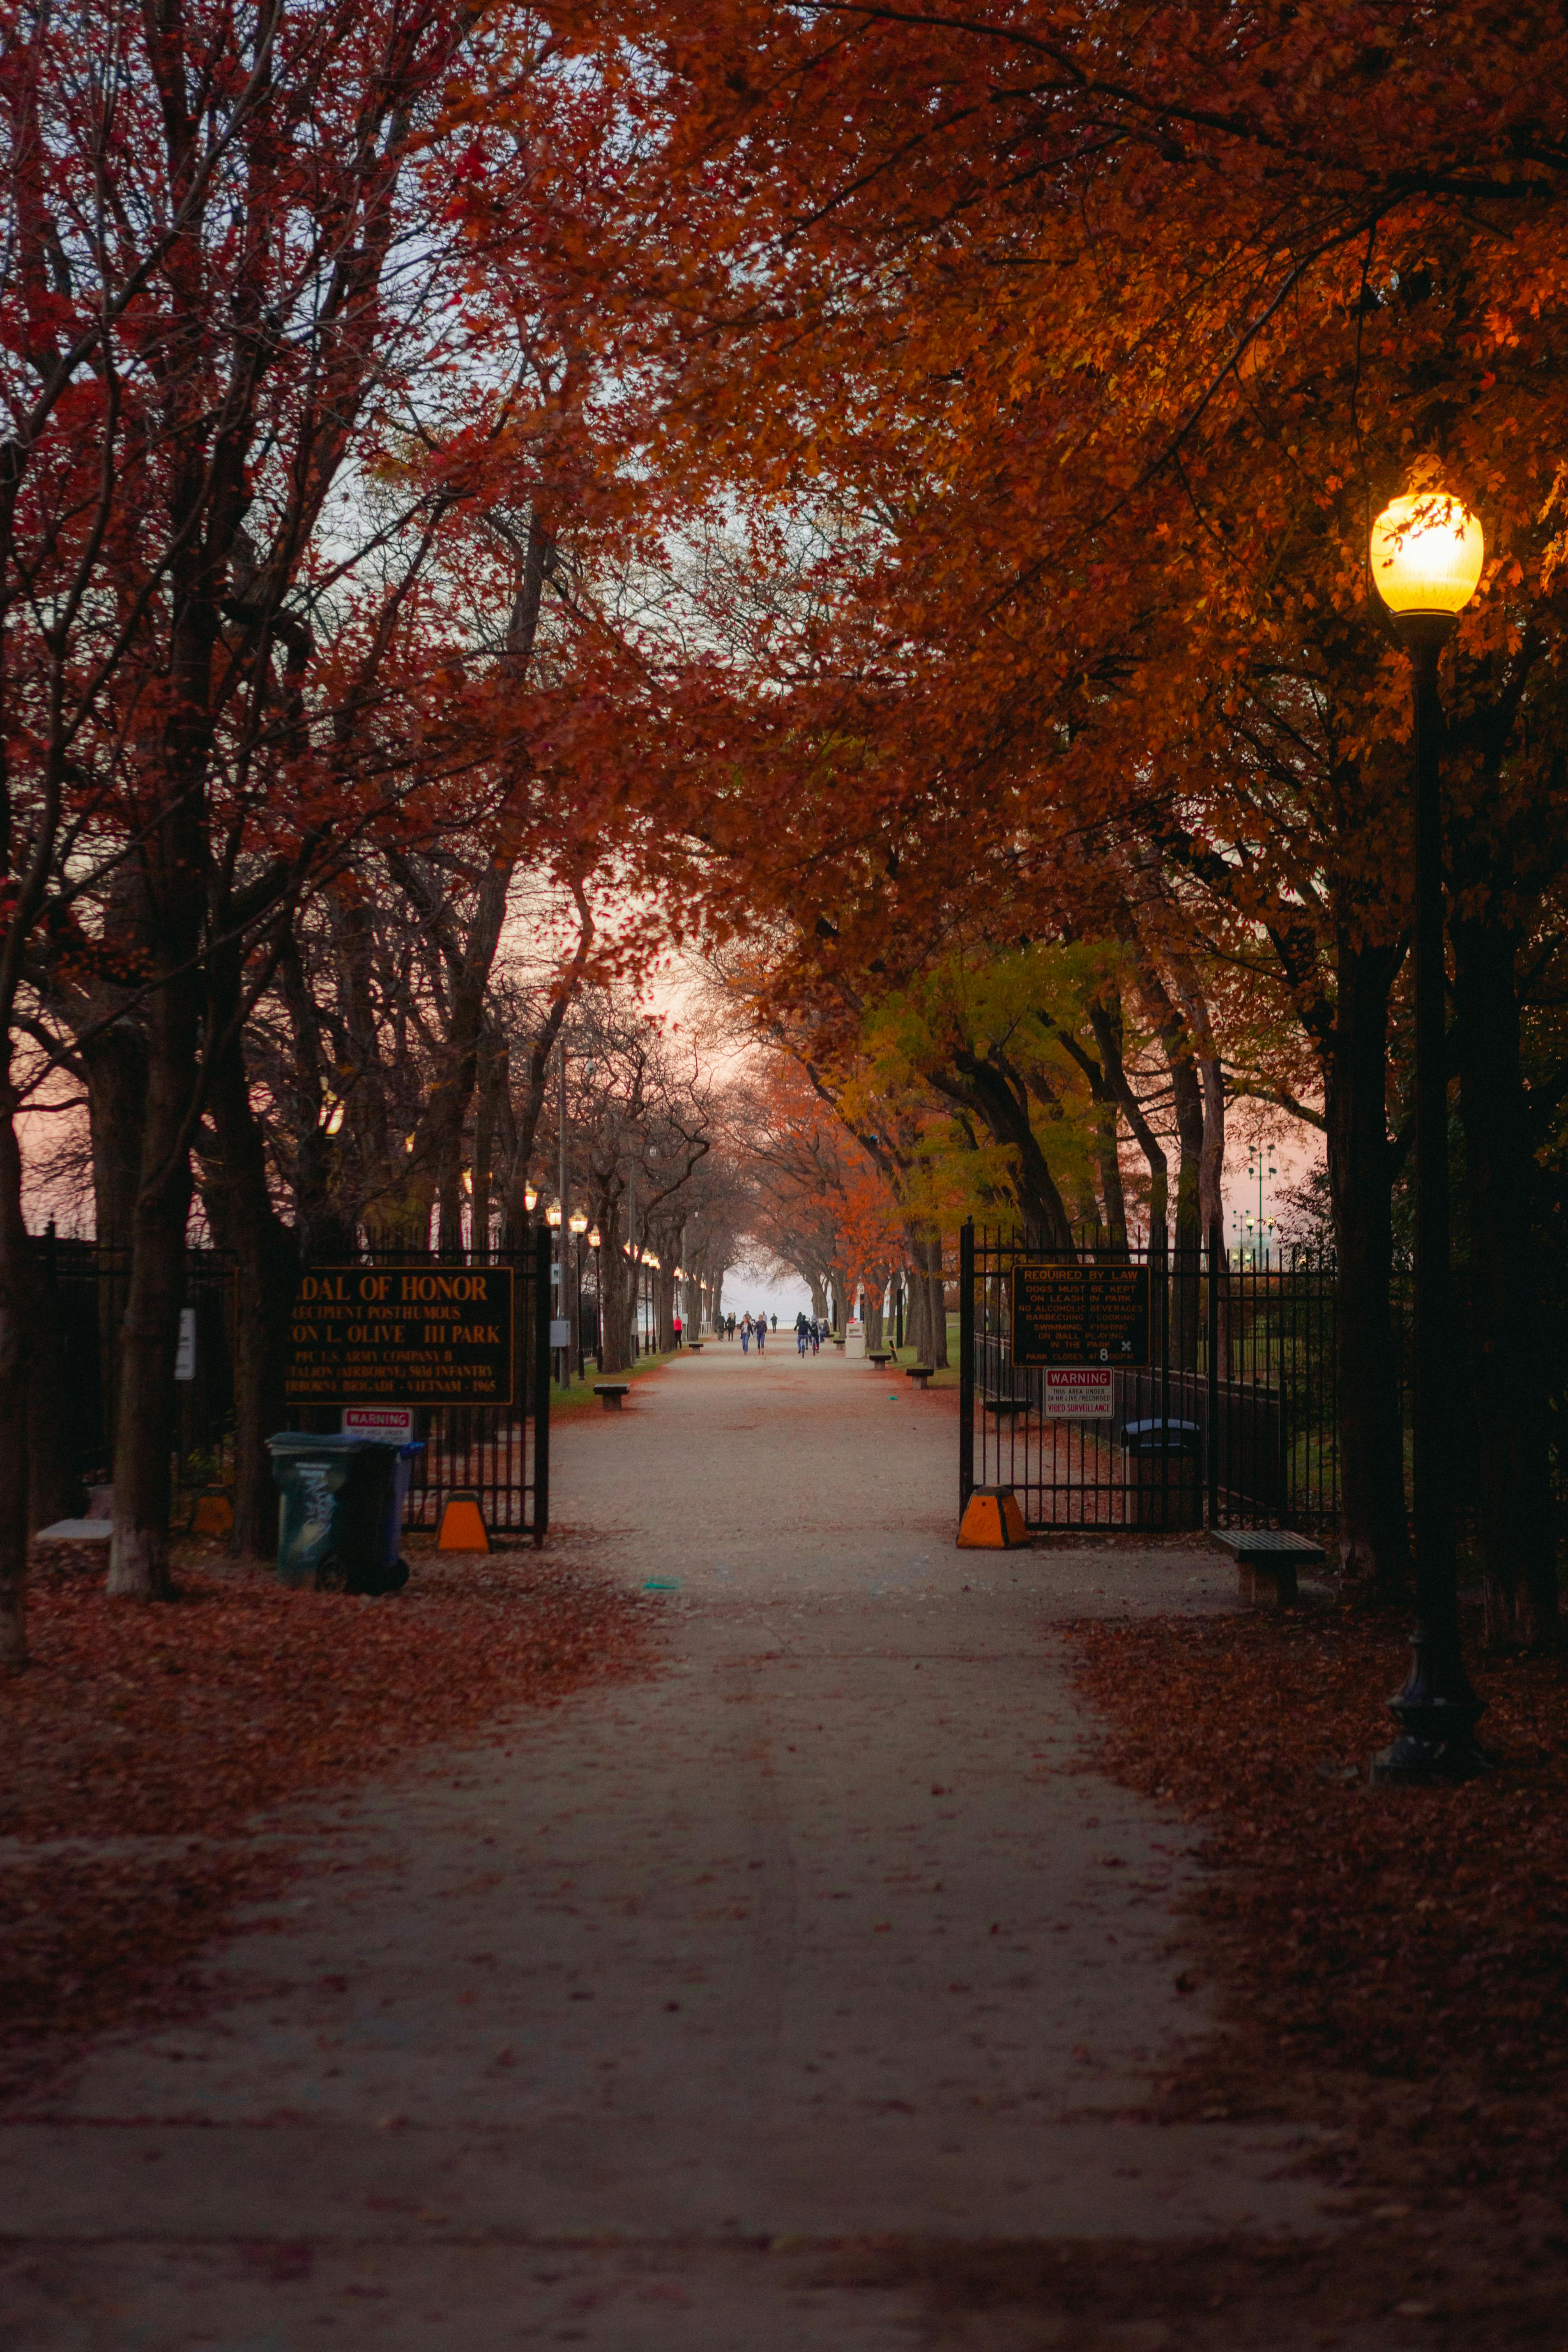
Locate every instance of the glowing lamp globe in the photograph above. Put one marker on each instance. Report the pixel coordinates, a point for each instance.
(552, 1215)
(595, 1237)
(578, 1222)
(1426, 556)
(530, 1198)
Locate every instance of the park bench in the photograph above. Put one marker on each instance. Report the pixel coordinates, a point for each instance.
(694, 1346)
(920, 1374)
(76, 1531)
(610, 1393)
(879, 1357)
(1005, 1408)
(1267, 1559)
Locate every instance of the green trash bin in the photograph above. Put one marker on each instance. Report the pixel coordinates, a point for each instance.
(340, 1518)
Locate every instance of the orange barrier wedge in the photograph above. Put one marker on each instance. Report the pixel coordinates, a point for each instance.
(992, 1521)
(462, 1529)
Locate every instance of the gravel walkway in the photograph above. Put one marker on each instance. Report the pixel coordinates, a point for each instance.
(825, 1931)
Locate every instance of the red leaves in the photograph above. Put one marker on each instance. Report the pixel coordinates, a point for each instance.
(179, 1724)
(1408, 1935)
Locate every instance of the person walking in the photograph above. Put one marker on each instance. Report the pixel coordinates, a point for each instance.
(761, 1331)
(800, 1333)
(745, 1335)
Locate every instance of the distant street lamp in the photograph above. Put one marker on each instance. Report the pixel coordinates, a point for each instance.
(595, 1243)
(577, 1226)
(530, 1198)
(552, 1216)
(1427, 555)
(1254, 1168)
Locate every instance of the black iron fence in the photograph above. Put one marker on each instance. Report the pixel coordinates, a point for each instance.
(1230, 1423)
(500, 1453)
(89, 1284)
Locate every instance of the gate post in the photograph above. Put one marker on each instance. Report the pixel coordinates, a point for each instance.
(966, 1362)
(542, 1304)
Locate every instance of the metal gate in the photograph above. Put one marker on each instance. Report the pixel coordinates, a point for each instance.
(1230, 1423)
(500, 1453)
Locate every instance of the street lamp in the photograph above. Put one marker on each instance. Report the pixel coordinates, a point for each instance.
(1426, 554)
(1254, 1168)
(577, 1226)
(552, 1216)
(530, 1198)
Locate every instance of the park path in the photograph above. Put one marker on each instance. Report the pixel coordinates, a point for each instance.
(827, 1929)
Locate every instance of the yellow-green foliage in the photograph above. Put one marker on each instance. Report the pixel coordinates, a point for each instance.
(1019, 1004)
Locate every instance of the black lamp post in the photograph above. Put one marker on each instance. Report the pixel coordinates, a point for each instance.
(1426, 556)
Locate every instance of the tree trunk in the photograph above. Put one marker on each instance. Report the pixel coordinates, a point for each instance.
(1186, 1306)
(615, 1290)
(116, 1063)
(144, 1432)
(22, 1308)
(931, 1286)
(1105, 1020)
(1375, 1541)
(985, 1085)
(491, 1117)
(1507, 1351)
(266, 1255)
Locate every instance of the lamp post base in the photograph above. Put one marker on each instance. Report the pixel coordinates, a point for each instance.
(1437, 1712)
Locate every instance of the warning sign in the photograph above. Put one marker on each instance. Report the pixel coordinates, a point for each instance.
(1078, 1392)
(1077, 1314)
(402, 1335)
(393, 1421)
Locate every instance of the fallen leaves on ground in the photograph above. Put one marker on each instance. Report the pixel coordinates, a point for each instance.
(144, 1745)
(1399, 1932)
(1391, 1960)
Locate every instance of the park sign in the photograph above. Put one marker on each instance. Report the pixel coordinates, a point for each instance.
(1089, 1315)
(401, 1335)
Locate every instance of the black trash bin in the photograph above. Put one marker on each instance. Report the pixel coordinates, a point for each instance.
(1165, 1473)
(340, 1519)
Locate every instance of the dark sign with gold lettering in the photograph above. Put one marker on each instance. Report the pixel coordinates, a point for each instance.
(1080, 1315)
(401, 1335)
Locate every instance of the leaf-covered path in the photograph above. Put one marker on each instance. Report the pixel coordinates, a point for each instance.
(614, 2033)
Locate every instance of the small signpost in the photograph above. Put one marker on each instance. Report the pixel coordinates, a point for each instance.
(402, 1335)
(1078, 1324)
